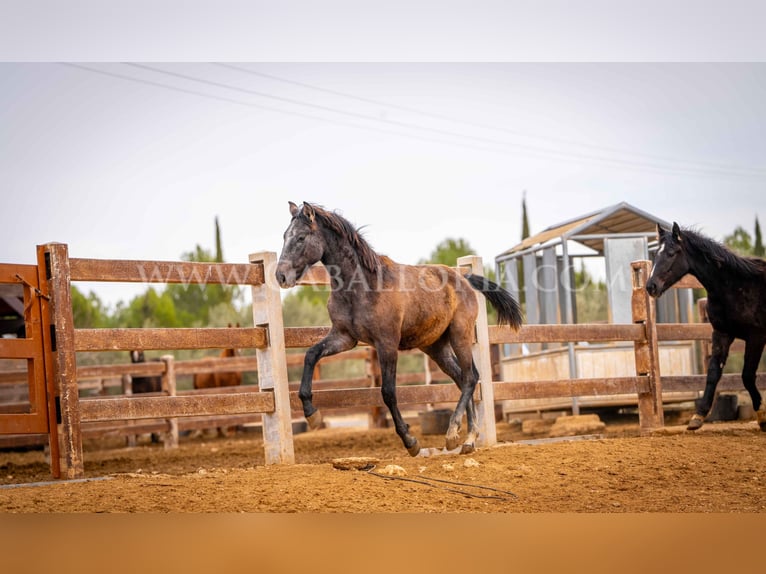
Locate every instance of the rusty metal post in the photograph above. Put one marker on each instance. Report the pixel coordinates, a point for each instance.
(650, 410)
(169, 388)
(55, 258)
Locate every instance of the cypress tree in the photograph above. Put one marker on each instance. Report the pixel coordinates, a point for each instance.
(218, 246)
(758, 249)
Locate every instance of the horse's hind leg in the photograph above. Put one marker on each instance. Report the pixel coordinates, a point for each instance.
(387, 360)
(335, 342)
(753, 352)
(469, 378)
(442, 354)
(721, 344)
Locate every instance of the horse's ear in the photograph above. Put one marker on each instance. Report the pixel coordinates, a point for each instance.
(309, 212)
(293, 208)
(676, 232)
(660, 231)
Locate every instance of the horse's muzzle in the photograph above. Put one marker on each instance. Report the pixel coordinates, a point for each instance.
(286, 276)
(653, 288)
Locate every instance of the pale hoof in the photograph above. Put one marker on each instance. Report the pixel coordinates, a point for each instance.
(695, 422)
(452, 442)
(315, 420)
(467, 448)
(414, 449)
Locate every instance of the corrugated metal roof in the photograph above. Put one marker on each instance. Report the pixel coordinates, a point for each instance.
(619, 219)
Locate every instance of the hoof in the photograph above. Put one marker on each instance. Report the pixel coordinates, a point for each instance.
(761, 416)
(467, 448)
(696, 422)
(452, 442)
(414, 449)
(315, 420)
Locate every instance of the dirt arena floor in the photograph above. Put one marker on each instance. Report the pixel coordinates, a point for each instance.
(719, 469)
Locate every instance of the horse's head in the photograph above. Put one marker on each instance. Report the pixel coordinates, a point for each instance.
(670, 262)
(304, 245)
(137, 357)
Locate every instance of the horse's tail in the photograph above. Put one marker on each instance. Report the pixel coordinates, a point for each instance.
(508, 310)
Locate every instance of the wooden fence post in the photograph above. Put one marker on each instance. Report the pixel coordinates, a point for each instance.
(482, 358)
(56, 261)
(169, 387)
(272, 363)
(650, 411)
(127, 390)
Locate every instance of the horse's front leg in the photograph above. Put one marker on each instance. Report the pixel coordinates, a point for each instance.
(720, 352)
(387, 359)
(335, 342)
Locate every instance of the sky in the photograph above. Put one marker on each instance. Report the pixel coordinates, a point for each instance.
(134, 158)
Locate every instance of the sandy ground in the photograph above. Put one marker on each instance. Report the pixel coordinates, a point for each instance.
(721, 468)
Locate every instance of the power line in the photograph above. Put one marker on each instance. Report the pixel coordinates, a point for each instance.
(487, 126)
(268, 108)
(441, 132)
(529, 151)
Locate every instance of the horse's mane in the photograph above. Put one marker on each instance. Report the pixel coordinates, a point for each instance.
(346, 230)
(721, 256)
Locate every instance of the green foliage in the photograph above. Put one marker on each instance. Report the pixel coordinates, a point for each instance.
(590, 297)
(306, 307)
(739, 241)
(88, 311)
(448, 251)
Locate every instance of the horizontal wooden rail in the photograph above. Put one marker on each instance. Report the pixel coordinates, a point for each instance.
(688, 282)
(144, 407)
(296, 337)
(570, 388)
(168, 339)
(184, 272)
(728, 382)
(371, 397)
(684, 331)
(566, 333)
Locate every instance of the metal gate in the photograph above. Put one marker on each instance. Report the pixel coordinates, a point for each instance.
(26, 356)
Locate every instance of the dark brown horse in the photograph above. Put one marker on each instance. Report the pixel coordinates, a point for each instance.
(736, 304)
(152, 384)
(391, 307)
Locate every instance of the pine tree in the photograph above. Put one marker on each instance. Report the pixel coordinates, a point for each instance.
(758, 249)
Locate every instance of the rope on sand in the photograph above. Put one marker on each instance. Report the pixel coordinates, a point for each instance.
(503, 494)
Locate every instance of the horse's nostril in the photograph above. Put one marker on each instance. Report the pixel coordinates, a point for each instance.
(280, 278)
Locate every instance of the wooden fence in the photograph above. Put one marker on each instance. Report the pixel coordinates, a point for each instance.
(273, 399)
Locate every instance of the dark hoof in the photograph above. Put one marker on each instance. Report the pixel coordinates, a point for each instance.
(315, 420)
(761, 417)
(414, 449)
(467, 448)
(696, 422)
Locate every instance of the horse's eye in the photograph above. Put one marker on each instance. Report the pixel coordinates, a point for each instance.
(301, 239)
